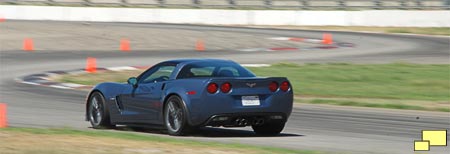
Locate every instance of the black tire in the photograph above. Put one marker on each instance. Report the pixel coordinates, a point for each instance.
(270, 129)
(98, 113)
(175, 119)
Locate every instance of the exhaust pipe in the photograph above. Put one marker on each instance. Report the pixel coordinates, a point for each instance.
(258, 121)
(244, 122)
(261, 121)
(255, 122)
(237, 121)
(241, 122)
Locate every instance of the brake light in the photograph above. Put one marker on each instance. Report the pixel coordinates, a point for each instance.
(225, 87)
(284, 86)
(273, 86)
(212, 88)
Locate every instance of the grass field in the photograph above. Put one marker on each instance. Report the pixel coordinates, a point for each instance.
(69, 141)
(394, 81)
(397, 85)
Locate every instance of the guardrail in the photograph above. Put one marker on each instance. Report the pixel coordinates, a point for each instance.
(253, 4)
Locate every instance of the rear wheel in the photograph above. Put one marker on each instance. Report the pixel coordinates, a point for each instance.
(273, 128)
(98, 112)
(175, 119)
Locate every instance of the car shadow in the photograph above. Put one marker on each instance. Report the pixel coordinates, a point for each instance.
(209, 132)
(226, 132)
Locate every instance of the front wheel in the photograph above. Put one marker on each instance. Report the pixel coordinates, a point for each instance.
(273, 128)
(175, 118)
(98, 112)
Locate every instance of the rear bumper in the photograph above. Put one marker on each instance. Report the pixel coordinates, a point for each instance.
(245, 119)
(204, 107)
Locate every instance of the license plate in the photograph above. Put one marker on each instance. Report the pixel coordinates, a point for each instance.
(250, 100)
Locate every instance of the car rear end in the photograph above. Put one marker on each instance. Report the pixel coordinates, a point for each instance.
(234, 102)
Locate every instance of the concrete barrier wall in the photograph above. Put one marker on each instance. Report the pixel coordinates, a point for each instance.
(395, 18)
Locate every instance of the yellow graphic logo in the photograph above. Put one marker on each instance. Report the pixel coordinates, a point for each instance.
(431, 138)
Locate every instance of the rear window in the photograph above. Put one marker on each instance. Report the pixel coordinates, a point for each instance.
(222, 69)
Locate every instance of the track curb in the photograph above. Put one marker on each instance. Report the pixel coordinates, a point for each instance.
(43, 79)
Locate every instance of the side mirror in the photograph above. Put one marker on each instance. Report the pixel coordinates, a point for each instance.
(132, 81)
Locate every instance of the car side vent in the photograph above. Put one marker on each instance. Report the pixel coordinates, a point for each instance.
(163, 86)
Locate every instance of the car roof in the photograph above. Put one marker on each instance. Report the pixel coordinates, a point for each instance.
(187, 61)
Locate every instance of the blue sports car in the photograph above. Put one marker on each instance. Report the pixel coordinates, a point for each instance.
(185, 94)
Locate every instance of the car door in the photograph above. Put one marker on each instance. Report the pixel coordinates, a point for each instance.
(142, 103)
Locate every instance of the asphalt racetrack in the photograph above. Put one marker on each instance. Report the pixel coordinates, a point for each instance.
(65, 46)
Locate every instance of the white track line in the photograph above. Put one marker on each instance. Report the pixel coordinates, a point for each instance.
(121, 68)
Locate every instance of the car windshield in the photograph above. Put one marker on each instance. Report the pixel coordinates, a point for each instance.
(208, 69)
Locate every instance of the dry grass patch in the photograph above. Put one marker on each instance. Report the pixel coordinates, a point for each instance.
(55, 141)
(22, 143)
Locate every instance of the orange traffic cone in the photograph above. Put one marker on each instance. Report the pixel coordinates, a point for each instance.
(327, 38)
(28, 44)
(3, 119)
(91, 65)
(200, 46)
(125, 45)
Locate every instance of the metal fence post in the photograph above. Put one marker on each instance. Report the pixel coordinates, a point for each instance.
(446, 4)
(87, 2)
(305, 4)
(419, 4)
(124, 2)
(341, 4)
(377, 4)
(49, 2)
(402, 4)
(232, 4)
(196, 3)
(268, 3)
(162, 3)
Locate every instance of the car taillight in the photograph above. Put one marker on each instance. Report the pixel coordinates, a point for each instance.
(225, 87)
(284, 86)
(273, 86)
(212, 88)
